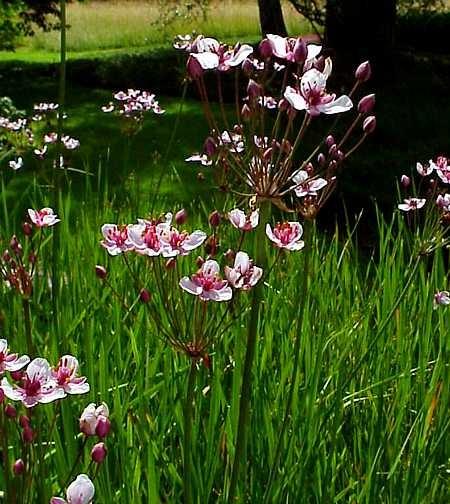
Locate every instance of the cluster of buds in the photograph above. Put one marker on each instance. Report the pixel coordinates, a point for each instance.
(132, 106)
(94, 421)
(18, 262)
(260, 156)
(435, 180)
(36, 134)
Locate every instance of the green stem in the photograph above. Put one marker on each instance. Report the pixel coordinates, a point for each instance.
(252, 336)
(298, 338)
(187, 439)
(27, 319)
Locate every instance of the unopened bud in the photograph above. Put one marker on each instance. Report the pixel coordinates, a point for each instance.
(265, 49)
(181, 217)
(199, 261)
(209, 147)
(230, 255)
(98, 453)
(246, 112)
(170, 263)
(24, 421)
(27, 435)
(101, 272)
(10, 411)
(27, 229)
(405, 181)
(321, 160)
(247, 67)
(319, 64)
(211, 246)
(286, 146)
(15, 246)
(214, 218)
(194, 69)
(300, 51)
(366, 104)
(329, 141)
(103, 426)
(332, 151)
(144, 295)
(254, 90)
(283, 104)
(18, 467)
(363, 72)
(16, 375)
(309, 168)
(6, 256)
(200, 176)
(2, 395)
(332, 165)
(369, 124)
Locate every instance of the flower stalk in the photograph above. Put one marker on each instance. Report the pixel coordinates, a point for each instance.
(187, 438)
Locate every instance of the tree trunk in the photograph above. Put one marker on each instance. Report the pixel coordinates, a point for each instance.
(362, 29)
(271, 17)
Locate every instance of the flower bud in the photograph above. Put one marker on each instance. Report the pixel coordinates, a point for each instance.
(247, 67)
(194, 69)
(363, 72)
(332, 151)
(27, 435)
(6, 256)
(286, 146)
(27, 228)
(211, 246)
(209, 147)
(321, 160)
(171, 263)
(246, 112)
(309, 168)
(265, 49)
(366, 104)
(145, 295)
(98, 453)
(24, 421)
(283, 104)
(405, 181)
(369, 124)
(333, 165)
(340, 156)
(32, 257)
(230, 255)
(200, 176)
(329, 141)
(199, 261)
(16, 375)
(319, 64)
(103, 426)
(18, 467)
(181, 217)
(254, 90)
(101, 272)
(15, 245)
(300, 51)
(2, 395)
(10, 411)
(214, 218)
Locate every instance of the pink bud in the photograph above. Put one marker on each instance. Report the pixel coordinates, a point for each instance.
(405, 181)
(214, 218)
(194, 69)
(254, 90)
(340, 156)
(101, 272)
(369, 124)
(300, 51)
(10, 411)
(18, 467)
(366, 104)
(24, 421)
(98, 453)
(247, 67)
(329, 141)
(321, 159)
(171, 263)
(332, 165)
(283, 104)
(2, 395)
(32, 257)
(15, 245)
(199, 261)
(27, 228)
(309, 168)
(181, 217)
(265, 49)
(363, 72)
(211, 246)
(6, 256)
(16, 375)
(145, 295)
(230, 255)
(103, 426)
(332, 151)
(246, 112)
(27, 435)
(209, 147)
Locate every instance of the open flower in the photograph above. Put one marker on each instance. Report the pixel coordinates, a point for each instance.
(243, 275)
(116, 239)
(312, 95)
(244, 222)
(43, 218)
(289, 48)
(207, 283)
(66, 377)
(306, 185)
(286, 235)
(80, 491)
(441, 298)
(38, 385)
(442, 168)
(11, 362)
(145, 238)
(91, 417)
(16, 164)
(176, 242)
(412, 204)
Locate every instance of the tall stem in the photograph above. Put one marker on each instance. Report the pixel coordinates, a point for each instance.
(27, 319)
(252, 336)
(187, 439)
(298, 337)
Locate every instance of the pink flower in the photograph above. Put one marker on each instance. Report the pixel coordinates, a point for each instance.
(441, 298)
(210, 54)
(116, 239)
(286, 235)
(412, 204)
(66, 377)
(306, 185)
(243, 222)
(207, 283)
(38, 386)
(145, 238)
(424, 170)
(312, 95)
(80, 491)
(290, 49)
(43, 218)
(91, 416)
(244, 275)
(176, 243)
(229, 58)
(443, 202)
(442, 168)
(11, 362)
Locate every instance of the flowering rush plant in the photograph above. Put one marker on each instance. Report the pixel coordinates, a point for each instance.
(35, 135)
(260, 154)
